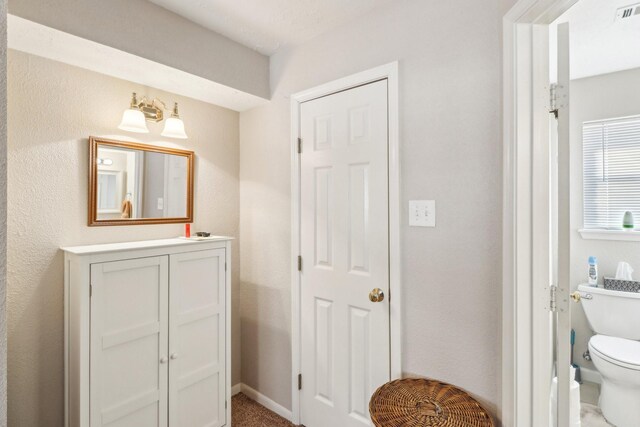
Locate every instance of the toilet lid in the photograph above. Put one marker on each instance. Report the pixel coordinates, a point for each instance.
(620, 350)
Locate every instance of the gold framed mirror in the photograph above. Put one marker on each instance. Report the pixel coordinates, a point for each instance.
(132, 183)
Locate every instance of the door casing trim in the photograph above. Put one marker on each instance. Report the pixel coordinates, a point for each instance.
(390, 73)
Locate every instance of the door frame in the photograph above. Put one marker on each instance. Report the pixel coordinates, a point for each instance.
(525, 284)
(390, 73)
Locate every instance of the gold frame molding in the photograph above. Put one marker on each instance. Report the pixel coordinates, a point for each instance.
(93, 220)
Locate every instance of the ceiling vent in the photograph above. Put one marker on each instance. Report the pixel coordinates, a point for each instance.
(628, 12)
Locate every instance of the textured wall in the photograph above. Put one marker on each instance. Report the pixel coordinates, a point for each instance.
(149, 31)
(451, 151)
(595, 98)
(53, 108)
(3, 212)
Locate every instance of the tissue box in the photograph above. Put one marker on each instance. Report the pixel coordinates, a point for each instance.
(621, 285)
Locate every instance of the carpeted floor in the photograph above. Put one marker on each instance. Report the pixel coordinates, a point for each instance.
(248, 413)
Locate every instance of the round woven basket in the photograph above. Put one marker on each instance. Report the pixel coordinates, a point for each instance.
(420, 402)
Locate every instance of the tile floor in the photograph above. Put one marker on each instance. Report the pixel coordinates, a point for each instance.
(590, 414)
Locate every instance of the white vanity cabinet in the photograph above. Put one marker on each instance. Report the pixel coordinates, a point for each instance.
(147, 334)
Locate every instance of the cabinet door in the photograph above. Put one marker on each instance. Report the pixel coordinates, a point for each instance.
(129, 343)
(197, 339)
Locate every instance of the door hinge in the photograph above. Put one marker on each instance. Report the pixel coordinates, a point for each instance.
(553, 100)
(299, 145)
(553, 295)
(225, 266)
(299, 263)
(299, 381)
(225, 404)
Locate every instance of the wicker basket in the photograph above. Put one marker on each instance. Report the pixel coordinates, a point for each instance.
(421, 402)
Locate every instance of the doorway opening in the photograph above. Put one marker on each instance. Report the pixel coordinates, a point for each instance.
(569, 191)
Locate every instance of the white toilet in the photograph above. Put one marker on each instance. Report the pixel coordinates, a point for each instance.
(615, 317)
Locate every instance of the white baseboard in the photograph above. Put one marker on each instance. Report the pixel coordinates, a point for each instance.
(236, 389)
(590, 375)
(263, 400)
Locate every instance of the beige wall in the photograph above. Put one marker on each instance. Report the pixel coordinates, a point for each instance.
(595, 98)
(147, 30)
(3, 212)
(53, 108)
(451, 151)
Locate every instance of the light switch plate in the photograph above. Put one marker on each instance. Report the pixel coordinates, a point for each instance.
(422, 213)
(160, 203)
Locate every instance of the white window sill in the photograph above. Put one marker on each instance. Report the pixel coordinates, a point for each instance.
(621, 235)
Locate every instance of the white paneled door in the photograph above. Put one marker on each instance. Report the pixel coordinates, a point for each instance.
(344, 213)
(129, 340)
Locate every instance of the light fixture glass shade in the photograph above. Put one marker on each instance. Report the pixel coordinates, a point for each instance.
(174, 128)
(133, 121)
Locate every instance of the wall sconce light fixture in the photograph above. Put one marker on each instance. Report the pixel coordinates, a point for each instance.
(134, 118)
(174, 126)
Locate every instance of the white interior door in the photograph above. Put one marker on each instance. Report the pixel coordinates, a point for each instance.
(543, 159)
(563, 320)
(550, 349)
(175, 186)
(129, 342)
(197, 339)
(344, 221)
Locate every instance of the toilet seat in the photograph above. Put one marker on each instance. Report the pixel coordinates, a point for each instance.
(618, 351)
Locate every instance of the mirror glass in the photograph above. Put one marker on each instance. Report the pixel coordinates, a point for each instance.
(134, 183)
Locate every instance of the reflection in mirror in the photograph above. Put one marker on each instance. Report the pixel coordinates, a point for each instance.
(109, 192)
(135, 183)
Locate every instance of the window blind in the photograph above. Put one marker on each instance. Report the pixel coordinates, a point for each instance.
(611, 171)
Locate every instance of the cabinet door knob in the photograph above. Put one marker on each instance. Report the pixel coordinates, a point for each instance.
(164, 359)
(174, 356)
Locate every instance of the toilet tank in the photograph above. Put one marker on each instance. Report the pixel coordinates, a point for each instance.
(612, 313)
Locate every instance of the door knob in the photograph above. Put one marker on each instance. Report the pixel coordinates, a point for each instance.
(576, 297)
(174, 356)
(376, 295)
(164, 359)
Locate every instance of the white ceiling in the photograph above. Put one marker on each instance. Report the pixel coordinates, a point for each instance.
(268, 25)
(600, 44)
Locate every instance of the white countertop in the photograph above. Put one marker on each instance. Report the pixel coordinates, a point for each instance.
(144, 244)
